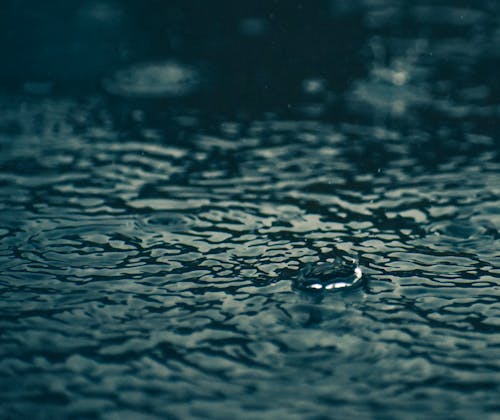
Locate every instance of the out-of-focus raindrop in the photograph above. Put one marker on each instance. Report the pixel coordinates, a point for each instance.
(314, 85)
(157, 79)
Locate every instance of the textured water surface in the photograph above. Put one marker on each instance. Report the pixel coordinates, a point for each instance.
(150, 250)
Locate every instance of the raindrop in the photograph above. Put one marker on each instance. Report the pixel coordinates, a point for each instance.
(328, 277)
(157, 79)
(314, 86)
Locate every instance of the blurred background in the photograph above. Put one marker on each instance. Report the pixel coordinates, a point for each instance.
(247, 54)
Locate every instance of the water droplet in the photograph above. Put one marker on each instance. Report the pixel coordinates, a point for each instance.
(341, 275)
(314, 86)
(157, 79)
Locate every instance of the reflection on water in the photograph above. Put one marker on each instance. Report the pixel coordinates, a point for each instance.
(153, 251)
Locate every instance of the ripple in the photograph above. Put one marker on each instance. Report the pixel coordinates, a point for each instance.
(154, 79)
(156, 261)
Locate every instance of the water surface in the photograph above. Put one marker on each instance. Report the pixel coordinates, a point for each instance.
(152, 228)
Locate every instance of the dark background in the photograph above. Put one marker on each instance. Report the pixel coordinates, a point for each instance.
(250, 51)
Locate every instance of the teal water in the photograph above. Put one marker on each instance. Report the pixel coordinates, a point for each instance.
(154, 227)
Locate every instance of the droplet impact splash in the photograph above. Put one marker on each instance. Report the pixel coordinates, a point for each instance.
(154, 80)
(330, 277)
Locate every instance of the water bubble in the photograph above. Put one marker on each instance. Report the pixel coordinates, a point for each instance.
(342, 274)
